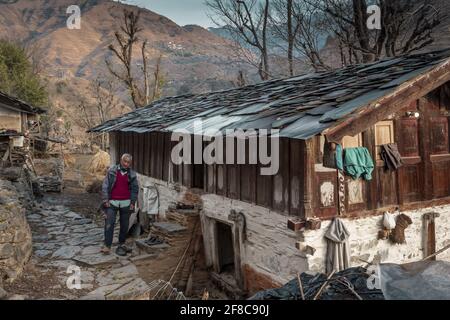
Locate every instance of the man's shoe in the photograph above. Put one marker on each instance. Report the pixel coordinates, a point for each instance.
(105, 250)
(120, 251)
(127, 248)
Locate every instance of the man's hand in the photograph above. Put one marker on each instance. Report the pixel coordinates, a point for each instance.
(132, 207)
(106, 204)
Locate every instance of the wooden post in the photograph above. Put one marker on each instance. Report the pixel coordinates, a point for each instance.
(308, 177)
(424, 149)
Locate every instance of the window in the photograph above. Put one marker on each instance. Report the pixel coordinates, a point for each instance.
(352, 142)
(384, 134)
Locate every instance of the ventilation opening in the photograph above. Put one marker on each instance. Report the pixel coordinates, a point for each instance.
(225, 249)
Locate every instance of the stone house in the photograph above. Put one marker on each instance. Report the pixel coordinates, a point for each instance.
(261, 230)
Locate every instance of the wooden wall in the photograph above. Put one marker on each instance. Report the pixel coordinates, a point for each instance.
(282, 192)
(425, 148)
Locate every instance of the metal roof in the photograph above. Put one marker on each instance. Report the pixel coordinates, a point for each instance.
(10, 102)
(301, 106)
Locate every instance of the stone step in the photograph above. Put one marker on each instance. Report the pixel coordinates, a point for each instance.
(169, 227)
(151, 249)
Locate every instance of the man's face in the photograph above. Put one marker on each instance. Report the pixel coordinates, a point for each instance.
(125, 163)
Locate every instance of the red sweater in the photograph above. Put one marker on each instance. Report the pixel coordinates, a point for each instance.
(121, 190)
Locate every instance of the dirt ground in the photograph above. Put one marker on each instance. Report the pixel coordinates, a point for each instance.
(77, 199)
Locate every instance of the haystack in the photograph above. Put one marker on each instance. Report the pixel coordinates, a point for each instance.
(69, 160)
(99, 163)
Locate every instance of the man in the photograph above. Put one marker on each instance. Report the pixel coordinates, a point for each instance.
(120, 192)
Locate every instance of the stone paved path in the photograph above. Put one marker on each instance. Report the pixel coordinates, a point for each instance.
(63, 239)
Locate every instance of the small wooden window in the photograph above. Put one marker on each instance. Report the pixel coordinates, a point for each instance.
(352, 142)
(384, 134)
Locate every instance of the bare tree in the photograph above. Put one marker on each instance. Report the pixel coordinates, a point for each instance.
(126, 40)
(406, 26)
(105, 106)
(248, 21)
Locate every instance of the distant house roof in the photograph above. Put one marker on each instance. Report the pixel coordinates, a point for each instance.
(10, 102)
(301, 106)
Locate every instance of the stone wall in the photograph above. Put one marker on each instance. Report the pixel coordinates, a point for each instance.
(365, 245)
(268, 249)
(15, 233)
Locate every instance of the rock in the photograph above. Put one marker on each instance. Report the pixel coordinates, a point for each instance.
(96, 297)
(118, 276)
(18, 297)
(91, 250)
(66, 252)
(60, 264)
(103, 291)
(80, 222)
(96, 260)
(133, 290)
(11, 173)
(73, 215)
(168, 227)
(42, 253)
(3, 293)
(35, 217)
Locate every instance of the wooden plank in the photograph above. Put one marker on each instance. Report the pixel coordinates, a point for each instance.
(424, 150)
(159, 155)
(308, 181)
(296, 167)
(371, 186)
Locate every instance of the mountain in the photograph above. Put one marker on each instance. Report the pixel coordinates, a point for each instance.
(194, 60)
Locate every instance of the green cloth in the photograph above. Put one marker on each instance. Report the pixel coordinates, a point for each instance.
(358, 163)
(120, 203)
(339, 163)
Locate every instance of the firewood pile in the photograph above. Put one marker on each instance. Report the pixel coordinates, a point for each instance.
(13, 156)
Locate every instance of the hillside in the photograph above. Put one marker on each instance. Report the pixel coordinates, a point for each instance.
(194, 60)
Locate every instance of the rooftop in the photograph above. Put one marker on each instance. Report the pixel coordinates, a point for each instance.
(301, 106)
(13, 103)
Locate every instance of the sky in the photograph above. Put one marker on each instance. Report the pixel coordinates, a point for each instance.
(182, 12)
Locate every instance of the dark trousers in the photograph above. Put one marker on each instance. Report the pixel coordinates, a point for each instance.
(110, 222)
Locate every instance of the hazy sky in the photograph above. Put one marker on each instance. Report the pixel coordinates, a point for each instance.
(182, 12)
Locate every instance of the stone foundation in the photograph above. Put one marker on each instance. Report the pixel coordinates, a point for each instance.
(267, 248)
(268, 253)
(15, 233)
(365, 245)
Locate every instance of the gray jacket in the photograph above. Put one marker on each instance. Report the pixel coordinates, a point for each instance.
(110, 180)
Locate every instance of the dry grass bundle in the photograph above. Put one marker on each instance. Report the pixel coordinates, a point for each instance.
(69, 160)
(99, 163)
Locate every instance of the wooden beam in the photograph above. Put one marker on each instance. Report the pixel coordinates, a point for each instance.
(390, 104)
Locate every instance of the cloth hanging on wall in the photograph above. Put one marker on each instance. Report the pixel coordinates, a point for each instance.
(358, 163)
(150, 200)
(338, 248)
(391, 156)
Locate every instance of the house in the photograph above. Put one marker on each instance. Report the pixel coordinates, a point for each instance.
(17, 119)
(16, 115)
(245, 215)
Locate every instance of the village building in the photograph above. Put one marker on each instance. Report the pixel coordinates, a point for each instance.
(18, 120)
(264, 229)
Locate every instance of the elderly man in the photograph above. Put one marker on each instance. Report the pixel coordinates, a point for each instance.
(120, 192)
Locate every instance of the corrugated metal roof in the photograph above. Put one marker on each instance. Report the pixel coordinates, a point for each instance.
(301, 106)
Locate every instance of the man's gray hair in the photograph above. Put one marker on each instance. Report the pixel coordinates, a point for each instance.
(127, 156)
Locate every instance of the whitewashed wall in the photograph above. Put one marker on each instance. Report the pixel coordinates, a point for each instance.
(365, 245)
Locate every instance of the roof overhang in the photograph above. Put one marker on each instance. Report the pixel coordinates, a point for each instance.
(381, 109)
